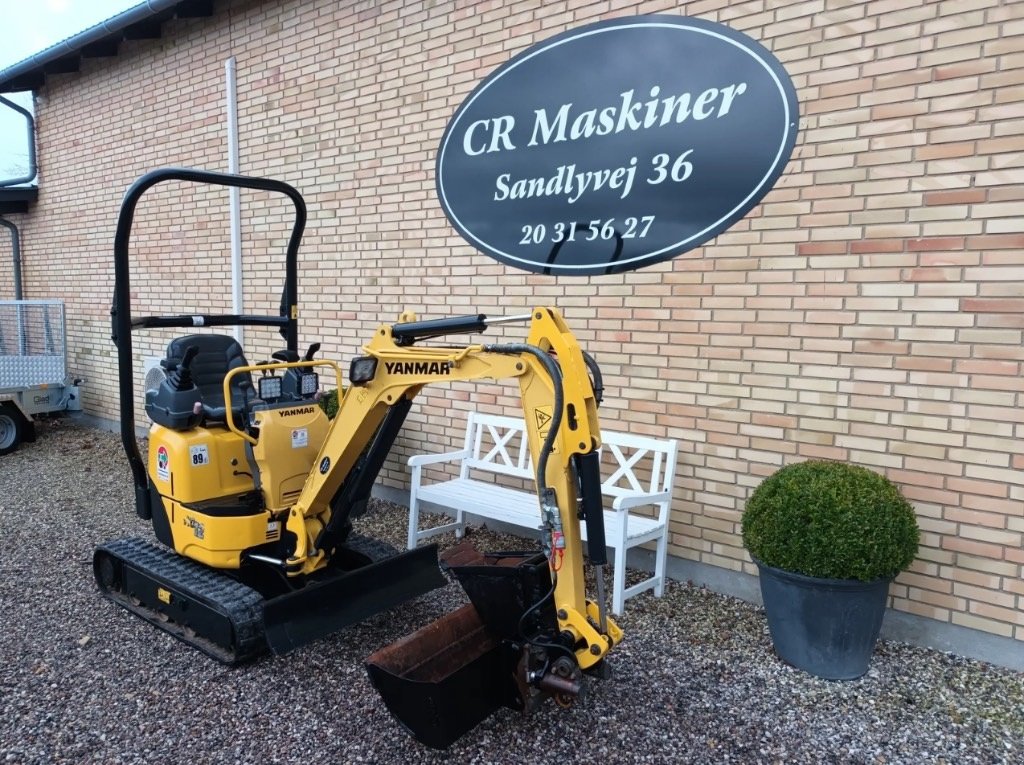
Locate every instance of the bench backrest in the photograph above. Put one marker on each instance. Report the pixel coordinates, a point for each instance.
(629, 463)
(497, 445)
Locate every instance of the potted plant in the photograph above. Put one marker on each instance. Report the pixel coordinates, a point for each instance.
(828, 538)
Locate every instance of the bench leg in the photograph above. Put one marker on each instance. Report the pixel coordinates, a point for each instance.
(460, 524)
(619, 575)
(414, 508)
(619, 582)
(414, 521)
(659, 563)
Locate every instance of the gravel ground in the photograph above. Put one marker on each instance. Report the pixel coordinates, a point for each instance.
(695, 679)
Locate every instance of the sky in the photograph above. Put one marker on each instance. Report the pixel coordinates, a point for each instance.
(28, 27)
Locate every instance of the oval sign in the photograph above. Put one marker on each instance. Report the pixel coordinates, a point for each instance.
(617, 145)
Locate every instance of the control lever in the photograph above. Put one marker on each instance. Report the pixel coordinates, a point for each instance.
(181, 378)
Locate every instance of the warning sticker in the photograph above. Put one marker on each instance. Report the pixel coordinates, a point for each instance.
(300, 438)
(543, 418)
(200, 455)
(163, 471)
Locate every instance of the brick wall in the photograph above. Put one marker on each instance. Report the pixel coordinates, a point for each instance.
(870, 309)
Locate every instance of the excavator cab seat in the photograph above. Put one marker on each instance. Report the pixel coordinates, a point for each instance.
(218, 355)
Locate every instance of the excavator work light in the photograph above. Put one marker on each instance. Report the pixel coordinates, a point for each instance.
(310, 383)
(270, 388)
(362, 370)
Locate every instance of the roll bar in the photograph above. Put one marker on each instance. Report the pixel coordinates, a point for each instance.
(121, 319)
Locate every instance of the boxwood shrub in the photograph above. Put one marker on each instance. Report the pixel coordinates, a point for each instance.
(832, 520)
(329, 403)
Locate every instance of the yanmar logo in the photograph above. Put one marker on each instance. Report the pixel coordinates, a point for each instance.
(418, 367)
(300, 410)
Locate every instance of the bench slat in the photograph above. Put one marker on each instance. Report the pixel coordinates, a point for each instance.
(642, 474)
(488, 500)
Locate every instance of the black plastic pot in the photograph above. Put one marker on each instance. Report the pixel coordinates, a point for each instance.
(827, 627)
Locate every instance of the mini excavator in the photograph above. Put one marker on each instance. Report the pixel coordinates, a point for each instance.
(251, 491)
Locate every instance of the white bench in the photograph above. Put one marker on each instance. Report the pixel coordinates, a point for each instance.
(641, 474)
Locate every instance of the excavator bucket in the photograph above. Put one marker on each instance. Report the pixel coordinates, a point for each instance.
(444, 679)
(441, 681)
(323, 607)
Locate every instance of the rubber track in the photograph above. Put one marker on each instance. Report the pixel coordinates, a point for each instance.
(242, 606)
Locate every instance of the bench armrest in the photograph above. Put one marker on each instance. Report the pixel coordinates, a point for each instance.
(630, 501)
(430, 459)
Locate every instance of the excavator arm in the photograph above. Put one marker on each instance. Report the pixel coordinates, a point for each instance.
(530, 631)
(560, 410)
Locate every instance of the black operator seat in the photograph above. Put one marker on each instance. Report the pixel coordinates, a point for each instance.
(218, 355)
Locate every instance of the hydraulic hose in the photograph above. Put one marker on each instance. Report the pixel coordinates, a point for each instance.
(555, 373)
(597, 381)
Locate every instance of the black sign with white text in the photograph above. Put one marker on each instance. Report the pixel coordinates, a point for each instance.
(617, 145)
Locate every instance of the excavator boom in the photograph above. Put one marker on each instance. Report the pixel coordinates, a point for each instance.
(529, 631)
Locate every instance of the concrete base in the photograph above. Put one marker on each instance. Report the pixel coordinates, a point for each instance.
(897, 625)
(102, 423)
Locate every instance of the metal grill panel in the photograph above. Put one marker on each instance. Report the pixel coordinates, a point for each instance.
(32, 343)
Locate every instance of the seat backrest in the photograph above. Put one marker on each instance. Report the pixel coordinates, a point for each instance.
(218, 355)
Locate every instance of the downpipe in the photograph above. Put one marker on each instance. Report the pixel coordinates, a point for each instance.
(33, 170)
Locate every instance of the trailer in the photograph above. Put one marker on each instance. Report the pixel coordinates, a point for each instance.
(33, 368)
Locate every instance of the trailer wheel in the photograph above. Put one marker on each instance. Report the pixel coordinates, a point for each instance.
(11, 428)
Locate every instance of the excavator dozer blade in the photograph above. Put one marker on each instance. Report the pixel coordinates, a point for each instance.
(444, 679)
(320, 608)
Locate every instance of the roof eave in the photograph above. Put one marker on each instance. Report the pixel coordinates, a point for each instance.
(142, 21)
(17, 200)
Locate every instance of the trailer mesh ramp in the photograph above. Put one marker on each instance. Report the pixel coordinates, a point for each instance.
(32, 343)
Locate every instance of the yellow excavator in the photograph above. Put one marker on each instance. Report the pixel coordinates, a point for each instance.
(251, 491)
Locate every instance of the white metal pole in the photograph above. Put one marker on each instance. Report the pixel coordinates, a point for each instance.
(235, 192)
